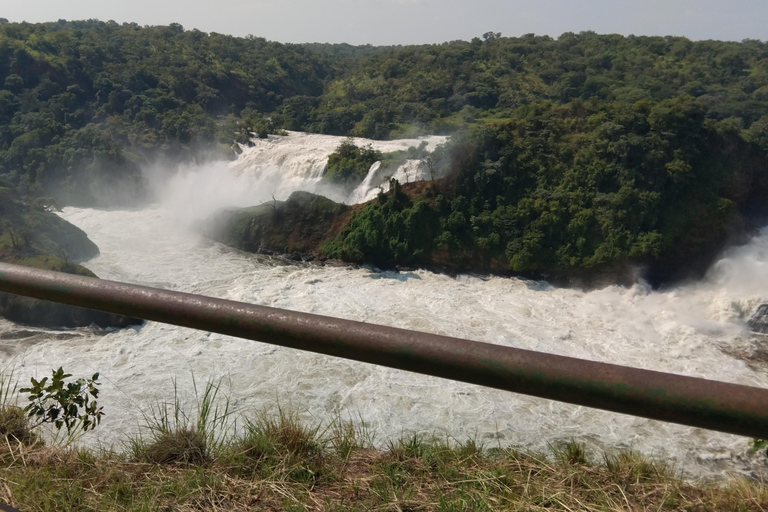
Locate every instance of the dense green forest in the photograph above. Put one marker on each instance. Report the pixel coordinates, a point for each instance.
(581, 151)
(563, 188)
(442, 87)
(84, 104)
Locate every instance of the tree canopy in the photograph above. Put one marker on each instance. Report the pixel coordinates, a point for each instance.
(573, 152)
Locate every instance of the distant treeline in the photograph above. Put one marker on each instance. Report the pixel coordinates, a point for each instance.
(575, 152)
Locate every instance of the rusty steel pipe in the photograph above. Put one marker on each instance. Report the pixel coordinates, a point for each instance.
(731, 408)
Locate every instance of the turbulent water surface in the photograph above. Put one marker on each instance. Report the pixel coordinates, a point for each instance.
(697, 329)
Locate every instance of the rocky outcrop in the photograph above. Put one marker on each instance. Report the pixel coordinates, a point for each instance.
(42, 313)
(296, 227)
(54, 235)
(758, 322)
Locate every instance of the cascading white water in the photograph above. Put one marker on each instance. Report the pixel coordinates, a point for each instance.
(696, 329)
(275, 167)
(378, 180)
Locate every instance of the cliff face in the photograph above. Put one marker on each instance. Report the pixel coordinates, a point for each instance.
(298, 226)
(310, 227)
(758, 322)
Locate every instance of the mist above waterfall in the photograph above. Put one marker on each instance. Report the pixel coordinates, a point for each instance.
(274, 168)
(743, 270)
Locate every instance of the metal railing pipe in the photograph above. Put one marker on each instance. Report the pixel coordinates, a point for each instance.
(697, 402)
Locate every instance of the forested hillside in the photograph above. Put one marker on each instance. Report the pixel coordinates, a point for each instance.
(580, 152)
(441, 87)
(560, 189)
(84, 104)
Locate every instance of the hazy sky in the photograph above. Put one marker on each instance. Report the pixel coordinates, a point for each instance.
(417, 21)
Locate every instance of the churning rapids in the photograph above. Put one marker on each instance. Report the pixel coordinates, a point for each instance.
(697, 329)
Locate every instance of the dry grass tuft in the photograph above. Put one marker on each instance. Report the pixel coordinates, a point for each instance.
(14, 426)
(185, 445)
(277, 448)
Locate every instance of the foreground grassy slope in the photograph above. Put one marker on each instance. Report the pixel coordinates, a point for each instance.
(279, 464)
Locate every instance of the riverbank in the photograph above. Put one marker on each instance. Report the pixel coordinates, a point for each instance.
(31, 234)
(310, 227)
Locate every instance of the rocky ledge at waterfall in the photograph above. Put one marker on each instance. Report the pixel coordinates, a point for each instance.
(758, 322)
(297, 227)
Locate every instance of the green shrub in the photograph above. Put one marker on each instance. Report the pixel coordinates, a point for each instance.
(349, 164)
(71, 405)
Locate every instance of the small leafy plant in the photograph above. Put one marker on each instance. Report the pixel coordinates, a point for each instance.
(71, 405)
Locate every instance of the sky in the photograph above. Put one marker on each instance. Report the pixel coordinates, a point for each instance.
(389, 22)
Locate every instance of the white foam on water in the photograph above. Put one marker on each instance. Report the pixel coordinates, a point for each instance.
(685, 330)
(680, 330)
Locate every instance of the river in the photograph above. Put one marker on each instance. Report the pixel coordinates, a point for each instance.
(696, 329)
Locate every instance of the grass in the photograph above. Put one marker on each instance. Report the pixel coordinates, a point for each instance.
(14, 424)
(279, 464)
(174, 436)
(202, 460)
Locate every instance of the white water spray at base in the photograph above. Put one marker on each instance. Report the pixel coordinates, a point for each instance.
(273, 168)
